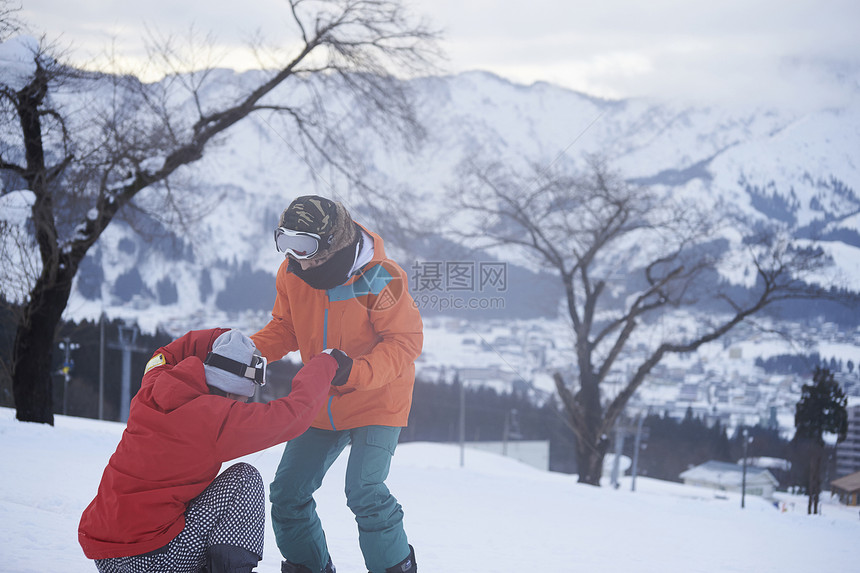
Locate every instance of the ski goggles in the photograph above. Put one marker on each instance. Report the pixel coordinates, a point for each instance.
(299, 244)
(255, 371)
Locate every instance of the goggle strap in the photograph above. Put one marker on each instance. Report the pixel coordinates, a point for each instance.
(255, 372)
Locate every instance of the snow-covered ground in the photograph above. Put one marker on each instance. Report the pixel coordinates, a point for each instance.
(492, 515)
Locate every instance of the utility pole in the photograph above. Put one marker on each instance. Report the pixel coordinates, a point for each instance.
(637, 445)
(127, 336)
(745, 433)
(505, 430)
(462, 419)
(622, 430)
(102, 366)
(511, 429)
(620, 434)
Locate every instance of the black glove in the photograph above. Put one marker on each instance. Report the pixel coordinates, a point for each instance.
(344, 366)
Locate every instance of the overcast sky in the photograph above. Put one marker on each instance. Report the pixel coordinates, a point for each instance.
(794, 52)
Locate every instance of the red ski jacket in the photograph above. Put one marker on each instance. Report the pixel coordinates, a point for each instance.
(176, 439)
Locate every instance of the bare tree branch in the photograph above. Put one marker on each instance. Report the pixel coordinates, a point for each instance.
(10, 24)
(85, 166)
(593, 228)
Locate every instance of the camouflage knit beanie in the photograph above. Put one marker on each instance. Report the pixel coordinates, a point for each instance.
(324, 217)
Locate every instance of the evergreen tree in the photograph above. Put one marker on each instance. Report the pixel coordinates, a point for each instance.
(675, 446)
(821, 409)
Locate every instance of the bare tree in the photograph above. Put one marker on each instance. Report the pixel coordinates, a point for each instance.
(9, 22)
(629, 260)
(81, 166)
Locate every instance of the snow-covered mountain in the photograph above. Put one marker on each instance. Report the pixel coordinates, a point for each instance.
(799, 168)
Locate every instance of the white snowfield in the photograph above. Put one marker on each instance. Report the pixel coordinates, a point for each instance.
(493, 515)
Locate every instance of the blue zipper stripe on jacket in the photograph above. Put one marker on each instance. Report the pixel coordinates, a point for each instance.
(325, 329)
(325, 345)
(330, 415)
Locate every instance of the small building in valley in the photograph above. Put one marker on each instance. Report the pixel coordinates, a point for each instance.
(727, 477)
(847, 488)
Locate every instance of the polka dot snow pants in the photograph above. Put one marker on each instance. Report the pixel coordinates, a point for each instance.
(229, 514)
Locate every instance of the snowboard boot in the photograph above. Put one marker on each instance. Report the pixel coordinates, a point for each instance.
(408, 565)
(287, 567)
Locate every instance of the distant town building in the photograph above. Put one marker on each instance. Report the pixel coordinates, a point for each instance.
(847, 488)
(532, 452)
(848, 452)
(726, 477)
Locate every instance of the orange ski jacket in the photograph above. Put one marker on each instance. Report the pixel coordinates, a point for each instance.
(373, 319)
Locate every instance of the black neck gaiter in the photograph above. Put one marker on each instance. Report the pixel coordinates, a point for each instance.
(332, 273)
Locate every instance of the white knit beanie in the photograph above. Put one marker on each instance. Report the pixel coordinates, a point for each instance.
(236, 346)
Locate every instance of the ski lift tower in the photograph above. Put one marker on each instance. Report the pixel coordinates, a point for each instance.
(68, 364)
(127, 336)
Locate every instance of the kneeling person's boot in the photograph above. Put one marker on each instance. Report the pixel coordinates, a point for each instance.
(287, 567)
(226, 558)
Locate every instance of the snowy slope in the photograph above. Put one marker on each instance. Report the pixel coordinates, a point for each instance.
(494, 515)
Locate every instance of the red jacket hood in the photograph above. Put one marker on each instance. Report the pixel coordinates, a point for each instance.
(185, 383)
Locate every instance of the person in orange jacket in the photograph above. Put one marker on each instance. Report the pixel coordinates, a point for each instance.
(160, 506)
(337, 289)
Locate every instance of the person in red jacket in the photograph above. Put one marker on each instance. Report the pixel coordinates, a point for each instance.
(160, 506)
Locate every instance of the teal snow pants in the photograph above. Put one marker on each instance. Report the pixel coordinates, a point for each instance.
(379, 516)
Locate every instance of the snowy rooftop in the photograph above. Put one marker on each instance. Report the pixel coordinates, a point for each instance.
(726, 473)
